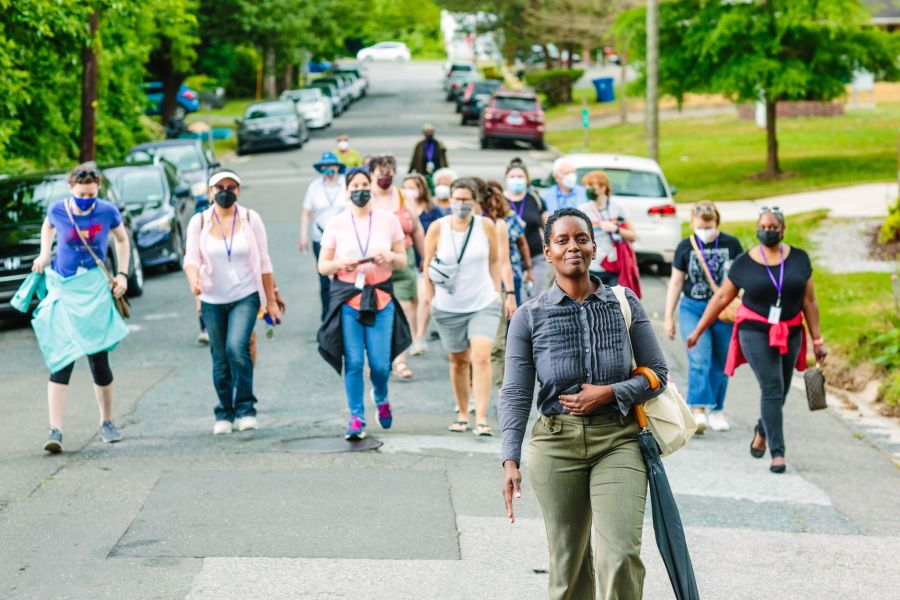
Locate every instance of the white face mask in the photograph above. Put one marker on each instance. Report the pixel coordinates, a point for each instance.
(516, 185)
(442, 192)
(706, 235)
(569, 181)
(343, 145)
(410, 194)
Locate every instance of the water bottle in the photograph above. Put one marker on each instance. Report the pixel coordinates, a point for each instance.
(270, 326)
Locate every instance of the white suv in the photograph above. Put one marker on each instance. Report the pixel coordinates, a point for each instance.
(640, 186)
(388, 51)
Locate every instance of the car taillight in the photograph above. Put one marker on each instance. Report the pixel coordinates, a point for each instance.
(190, 95)
(666, 210)
(535, 118)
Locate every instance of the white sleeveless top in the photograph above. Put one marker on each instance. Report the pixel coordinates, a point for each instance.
(474, 288)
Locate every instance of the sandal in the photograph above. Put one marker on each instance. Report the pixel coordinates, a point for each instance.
(459, 426)
(401, 370)
(483, 429)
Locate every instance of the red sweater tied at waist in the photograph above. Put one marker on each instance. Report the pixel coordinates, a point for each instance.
(778, 338)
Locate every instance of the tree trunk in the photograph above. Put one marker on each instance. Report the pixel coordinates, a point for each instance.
(623, 99)
(87, 143)
(290, 81)
(652, 124)
(269, 82)
(548, 61)
(773, 168)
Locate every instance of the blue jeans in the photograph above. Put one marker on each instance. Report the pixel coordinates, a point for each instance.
(707, 382)
(375, 342)
(324, 283)
(229, 327)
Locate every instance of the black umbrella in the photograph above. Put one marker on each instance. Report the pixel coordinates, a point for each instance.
(666, 519)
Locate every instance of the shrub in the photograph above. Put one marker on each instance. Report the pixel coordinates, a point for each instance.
(889, 391)
(890, 230)
(555, 85)
(491, 72)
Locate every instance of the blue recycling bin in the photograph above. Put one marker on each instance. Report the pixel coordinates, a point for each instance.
(605, 88)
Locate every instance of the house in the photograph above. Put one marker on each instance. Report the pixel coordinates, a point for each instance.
(885, 14)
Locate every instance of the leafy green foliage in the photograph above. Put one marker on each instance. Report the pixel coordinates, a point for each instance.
(890, 229)
(555, 85)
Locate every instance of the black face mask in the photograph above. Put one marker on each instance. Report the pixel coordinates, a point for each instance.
(226, 199)
(360, 197)
(768, 237)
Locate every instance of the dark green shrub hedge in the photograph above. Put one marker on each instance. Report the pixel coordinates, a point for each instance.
(555, 85)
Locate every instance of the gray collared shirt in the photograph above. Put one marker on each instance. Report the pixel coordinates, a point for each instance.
(564, 343)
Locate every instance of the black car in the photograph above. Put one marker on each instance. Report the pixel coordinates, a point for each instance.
(472, 101)
(193, 158)
(275, 124)
(162, 207)
(23, 206)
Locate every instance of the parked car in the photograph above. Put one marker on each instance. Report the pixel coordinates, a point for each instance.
(23, 206)
(274, 124)
(385, 51)
(513, 116)
(343, 87)
(193, 158)
(331, 92)
(161, 206)
(188, 100)
(357, 71)
(475, 97)
(640, 186)
(458, 82)
(313, 106)
(457, 67)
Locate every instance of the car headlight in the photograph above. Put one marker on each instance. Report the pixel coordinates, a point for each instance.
(161, 224)
(199, 188)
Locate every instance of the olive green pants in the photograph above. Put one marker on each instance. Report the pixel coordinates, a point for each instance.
(586, 469)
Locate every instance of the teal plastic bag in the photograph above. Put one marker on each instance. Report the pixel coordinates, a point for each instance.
(77, 317)
(33, 284)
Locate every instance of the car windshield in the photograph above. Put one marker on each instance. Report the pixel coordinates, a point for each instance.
(304, 96)
(137, 186)
(628, 182)
(326, 89)
(185, 158)
(462, 68)
(25, 202)
(273, 109)
(513, 103)
(485, 87)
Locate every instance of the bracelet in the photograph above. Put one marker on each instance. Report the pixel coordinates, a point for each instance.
(818, 342)
(125, 275)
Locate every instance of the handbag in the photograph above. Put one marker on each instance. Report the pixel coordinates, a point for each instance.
(815, 388)
(729, 314)
(670, 419)
(123, 307)
(443, 273)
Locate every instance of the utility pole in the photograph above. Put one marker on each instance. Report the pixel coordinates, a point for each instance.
(87, 143)
(652, 119)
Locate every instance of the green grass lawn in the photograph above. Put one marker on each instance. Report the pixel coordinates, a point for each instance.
(714, 158)
(226, 115)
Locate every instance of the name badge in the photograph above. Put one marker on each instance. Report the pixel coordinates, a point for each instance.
(360, 280)
(80, 270)
(774, 314)
(429, 167)
(235, 280)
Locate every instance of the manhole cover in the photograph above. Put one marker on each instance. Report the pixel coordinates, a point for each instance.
(327, 445)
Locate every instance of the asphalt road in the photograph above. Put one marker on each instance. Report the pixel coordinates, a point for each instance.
(173, 512)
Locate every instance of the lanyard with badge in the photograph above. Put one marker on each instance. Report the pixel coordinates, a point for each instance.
(360, 275)
(82, 248)
(429, 156)
(229, 245)
(775, 311)
(715, 256)
(331, 200)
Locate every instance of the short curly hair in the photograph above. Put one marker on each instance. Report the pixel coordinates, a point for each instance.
(566, 212)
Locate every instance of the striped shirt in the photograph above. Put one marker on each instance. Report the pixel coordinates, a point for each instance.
(563, 343)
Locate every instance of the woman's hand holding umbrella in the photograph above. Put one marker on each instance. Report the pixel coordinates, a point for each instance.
(512, 487)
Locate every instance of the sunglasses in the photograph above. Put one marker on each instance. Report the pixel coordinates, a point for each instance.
(87, 173)
(706, 209)
(226, 188)
(771, 209)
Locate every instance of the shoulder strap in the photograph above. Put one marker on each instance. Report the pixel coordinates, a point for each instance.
(465, 243)
(699, 252)
(86, 245)
(625, 307)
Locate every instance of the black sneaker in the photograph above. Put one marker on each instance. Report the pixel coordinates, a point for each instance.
(53, 445)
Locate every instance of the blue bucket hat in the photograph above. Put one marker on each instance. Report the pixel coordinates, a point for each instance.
(329, 159)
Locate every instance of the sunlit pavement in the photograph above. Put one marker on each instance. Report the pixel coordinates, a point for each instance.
(172, 512)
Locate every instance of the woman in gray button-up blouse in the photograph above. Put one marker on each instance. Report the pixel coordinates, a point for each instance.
(584, 462)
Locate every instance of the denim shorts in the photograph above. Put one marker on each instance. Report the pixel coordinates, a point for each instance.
(456, 329)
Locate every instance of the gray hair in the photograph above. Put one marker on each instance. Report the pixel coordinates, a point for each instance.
(779, 216)
(445, 172)
(559, 163)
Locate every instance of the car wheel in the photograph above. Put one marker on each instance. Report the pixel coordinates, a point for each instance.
(177, 250)
(458, 108)
(540, 145)
(484, 143)
(463, 121)
(136, 280)
(664, 269)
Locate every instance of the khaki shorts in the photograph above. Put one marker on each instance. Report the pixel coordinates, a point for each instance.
(456, 329)
(405, 281)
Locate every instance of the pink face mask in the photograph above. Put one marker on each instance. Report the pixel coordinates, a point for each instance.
(411, 194)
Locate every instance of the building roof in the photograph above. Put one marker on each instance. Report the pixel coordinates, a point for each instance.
(884, 12)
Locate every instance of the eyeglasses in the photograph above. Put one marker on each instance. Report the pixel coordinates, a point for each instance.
(705, 209)
(226, 188)
(771, 209)
(87, 173)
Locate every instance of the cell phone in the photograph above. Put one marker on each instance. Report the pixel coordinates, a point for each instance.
(572, 389)
(363, 261)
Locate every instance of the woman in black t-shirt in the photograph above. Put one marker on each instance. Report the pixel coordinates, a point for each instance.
(778, 294)
(710, 249)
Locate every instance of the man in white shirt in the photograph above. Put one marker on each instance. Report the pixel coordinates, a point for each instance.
(326, 197)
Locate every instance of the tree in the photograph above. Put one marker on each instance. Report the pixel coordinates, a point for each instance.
(769, 50)
(174, 37)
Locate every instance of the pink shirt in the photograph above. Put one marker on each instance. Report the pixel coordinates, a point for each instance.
(339, 235)
(251, 224)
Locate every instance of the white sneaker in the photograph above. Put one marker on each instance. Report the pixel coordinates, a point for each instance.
(245, 423)
(203, 338)
(222, 427)
(700, 418)
(717, 422)
(419, 347)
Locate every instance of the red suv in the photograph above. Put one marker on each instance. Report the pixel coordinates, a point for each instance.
(514, 116)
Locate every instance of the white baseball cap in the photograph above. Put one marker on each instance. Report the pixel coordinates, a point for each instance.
(220, 175)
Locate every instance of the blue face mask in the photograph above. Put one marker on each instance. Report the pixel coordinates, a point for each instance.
(85, 204)
(516, 185)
